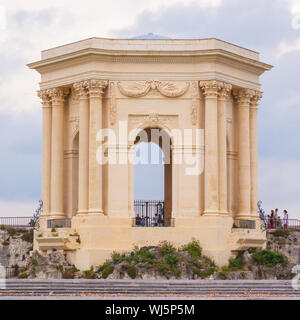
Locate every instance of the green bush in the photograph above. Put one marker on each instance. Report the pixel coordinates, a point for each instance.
(163, 268)
(165, 248)
(89, 274)
(130, 270)
(28, 236)
(34, 262)
(106, 269)
(171, 259)
(117, 257)
(268, 257)
(23, 276)
(193, 248)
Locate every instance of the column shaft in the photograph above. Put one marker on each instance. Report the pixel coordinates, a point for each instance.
(222, 143)
(95, 88)
(211, 165)
(243, 97)
(46, 151)
(254, 152)
(57, 158)
(83, 174)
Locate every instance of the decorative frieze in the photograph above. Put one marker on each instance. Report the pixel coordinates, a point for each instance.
(142, 88)
(113, 104)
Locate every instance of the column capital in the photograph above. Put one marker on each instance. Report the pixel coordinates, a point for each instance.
(211, 88)
(44, 96)
(243, 96)
(58, 95)
(225, 91)
(257, 95)
(95, 87)
(81, 90)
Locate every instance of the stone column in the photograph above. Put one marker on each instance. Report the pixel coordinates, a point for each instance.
(83, 174)
(95, 89)
(57, 157)
(254, 151)
(243, 97)
(46, 150)
(211, 165)
(222, 147)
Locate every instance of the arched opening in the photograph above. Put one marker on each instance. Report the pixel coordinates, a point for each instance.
(153, 178)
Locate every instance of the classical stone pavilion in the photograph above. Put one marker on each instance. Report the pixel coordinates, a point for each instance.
(133, 86)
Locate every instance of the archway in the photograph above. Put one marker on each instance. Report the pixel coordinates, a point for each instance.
(153, 165)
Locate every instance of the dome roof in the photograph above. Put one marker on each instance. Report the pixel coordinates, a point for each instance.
(150, 36)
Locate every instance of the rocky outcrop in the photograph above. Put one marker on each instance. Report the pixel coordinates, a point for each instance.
(14, 250)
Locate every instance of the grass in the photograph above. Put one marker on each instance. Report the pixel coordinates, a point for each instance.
(193, 248)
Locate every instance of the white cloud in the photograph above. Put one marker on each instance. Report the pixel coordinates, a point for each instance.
(17, 209)
(285, 47)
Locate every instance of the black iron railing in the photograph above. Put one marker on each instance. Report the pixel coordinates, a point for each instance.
(244, 224)
(150, 213)
(59, 223)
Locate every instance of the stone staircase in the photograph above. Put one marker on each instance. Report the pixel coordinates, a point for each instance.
(142, 287)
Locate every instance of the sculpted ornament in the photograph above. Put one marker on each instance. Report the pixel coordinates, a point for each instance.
(195, 103)
(141, 88)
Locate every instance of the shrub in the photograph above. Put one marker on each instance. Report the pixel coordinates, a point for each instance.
(163, 268)
(34, 262)
(130, 270)
(11, 231)
(117, 257)
(89, 274)
(28, 236)
(68, 274)
(171, 259)
(193, 248)
(53, 230)
(23, 276)
(166, 247)
(146, 256)
(106, 269)
(268, 257)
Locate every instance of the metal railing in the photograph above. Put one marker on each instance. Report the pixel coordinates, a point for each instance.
(59, 223)
(143, 222)
(244, 224)
(150, 213)
(292, 224)
(16, 222)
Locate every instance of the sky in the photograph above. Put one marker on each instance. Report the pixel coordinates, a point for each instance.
(271, 27)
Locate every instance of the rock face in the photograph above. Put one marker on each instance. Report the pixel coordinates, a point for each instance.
(287, 242)
(13, 249)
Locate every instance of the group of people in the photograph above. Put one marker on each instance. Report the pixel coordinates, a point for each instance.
(156, 221)
(274, 221)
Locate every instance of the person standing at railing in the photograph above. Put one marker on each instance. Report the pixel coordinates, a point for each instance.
(272, 220)
(285, 219)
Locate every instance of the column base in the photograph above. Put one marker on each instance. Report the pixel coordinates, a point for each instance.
(58, 215)
(244, 217)
(211, 213)
(96, 211)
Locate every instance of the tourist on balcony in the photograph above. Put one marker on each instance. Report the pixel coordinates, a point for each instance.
(138, 221)
(285, 219)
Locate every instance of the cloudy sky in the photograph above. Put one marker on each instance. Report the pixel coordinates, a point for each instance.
(271, 27)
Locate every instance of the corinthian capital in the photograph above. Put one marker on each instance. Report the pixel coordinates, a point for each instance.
(95, 87)
(80, 89)
(57, 94)
(211, 88)
(243, 96)
(44, 96)
(225, 91)
(255, 99)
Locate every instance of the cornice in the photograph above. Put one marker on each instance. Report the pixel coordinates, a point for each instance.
(144, 57)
